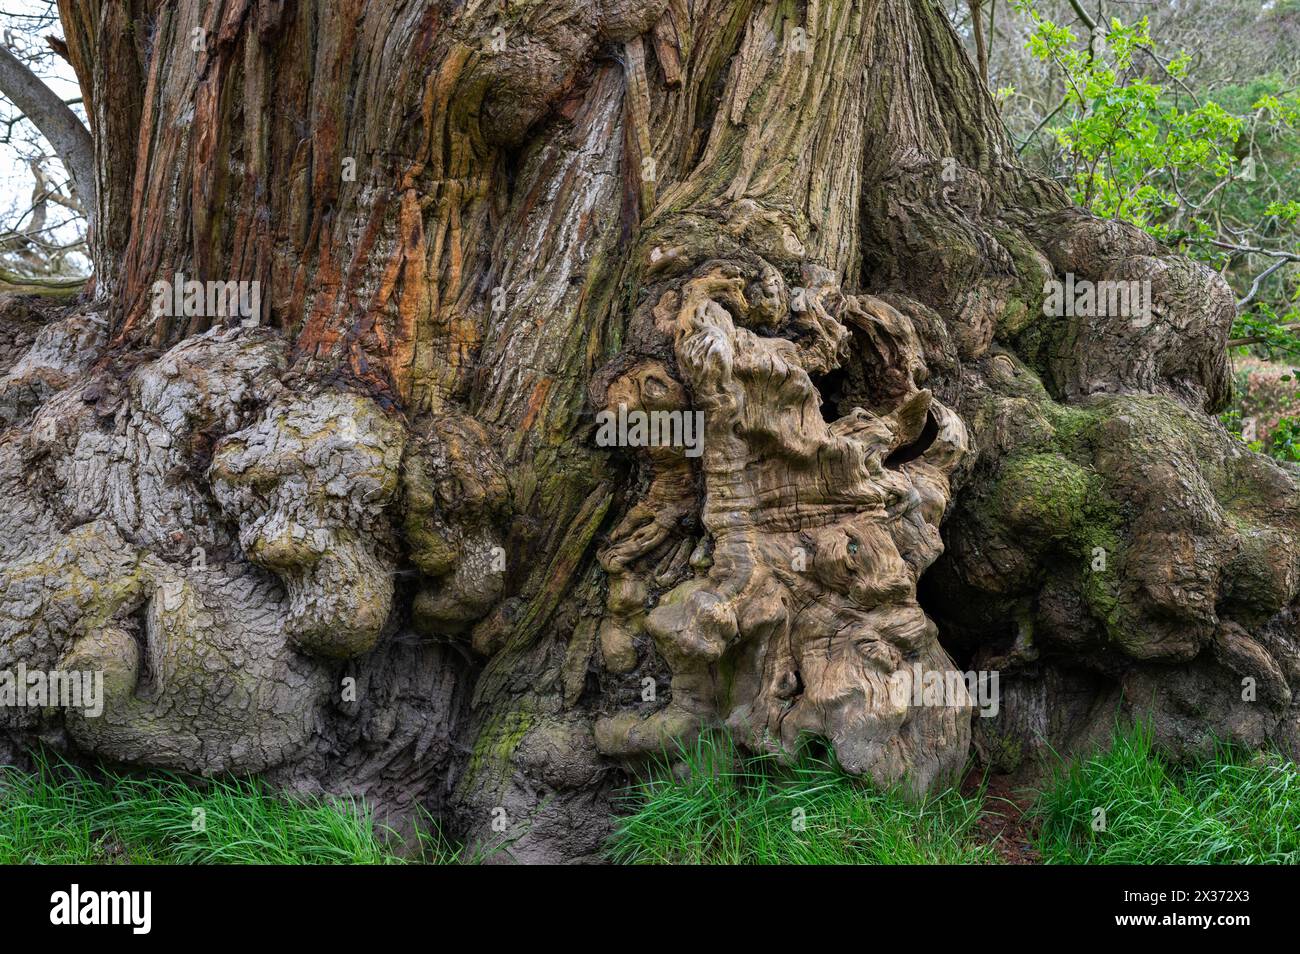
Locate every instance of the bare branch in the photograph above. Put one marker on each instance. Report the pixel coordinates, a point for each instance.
(1259, 280)
(1084, 16)
(57, 123)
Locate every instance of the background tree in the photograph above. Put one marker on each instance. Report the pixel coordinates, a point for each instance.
(1182, 119)
(45, 142)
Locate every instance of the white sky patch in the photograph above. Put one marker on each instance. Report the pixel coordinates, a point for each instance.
(23, 28)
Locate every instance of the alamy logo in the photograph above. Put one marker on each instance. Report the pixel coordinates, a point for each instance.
(933, 688)
(57, 689)
(103, 907)
(652, 429)
(1089, 299)
(179, 297)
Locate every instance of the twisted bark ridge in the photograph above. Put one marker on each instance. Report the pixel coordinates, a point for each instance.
(374, 539)
(817, 540)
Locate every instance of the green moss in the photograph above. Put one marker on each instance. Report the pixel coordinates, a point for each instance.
(1025, 306)
(1051, 495)
(62, 288)
(1077, 426)
(496, 743)
(429, 551)
(1004, 752)
(1046, 492)
(1101, 593)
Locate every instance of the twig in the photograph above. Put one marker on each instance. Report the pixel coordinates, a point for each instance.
(1259, 279)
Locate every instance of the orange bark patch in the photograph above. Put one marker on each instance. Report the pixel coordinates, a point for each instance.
(535, 402)
(407, 267)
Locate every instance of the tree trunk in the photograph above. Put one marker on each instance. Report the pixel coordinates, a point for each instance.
(386, 543)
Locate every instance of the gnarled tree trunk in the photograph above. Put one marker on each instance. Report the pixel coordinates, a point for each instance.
(374, 545)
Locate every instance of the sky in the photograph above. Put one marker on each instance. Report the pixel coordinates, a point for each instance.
(21, 30)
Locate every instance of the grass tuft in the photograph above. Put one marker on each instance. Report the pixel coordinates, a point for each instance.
(1233, 808)
(709, 806)
(731, 811)
(62, 814)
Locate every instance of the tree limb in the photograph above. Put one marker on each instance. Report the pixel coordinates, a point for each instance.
(981, 48)
(1084, 17)
(13, 283)
(1259, 280)
(1260, 339)
(56, 122)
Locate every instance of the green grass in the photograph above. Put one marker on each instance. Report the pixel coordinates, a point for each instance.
(62, 814)
(1234, 808)
(733, 811)
(717, 808)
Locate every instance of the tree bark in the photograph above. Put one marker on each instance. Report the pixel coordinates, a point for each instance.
(377, 545)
